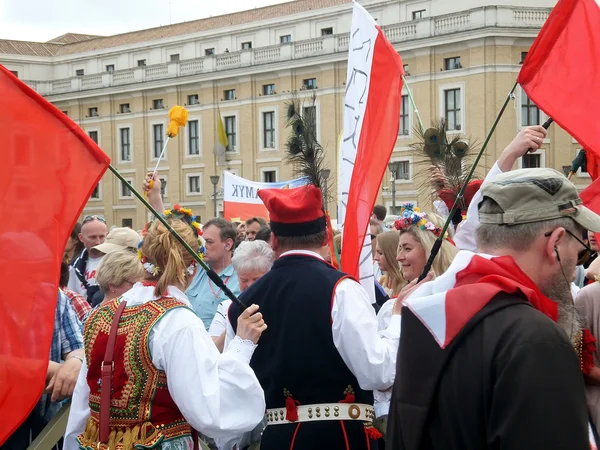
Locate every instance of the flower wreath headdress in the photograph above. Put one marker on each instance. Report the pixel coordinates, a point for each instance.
(186, 216)
(411, 215)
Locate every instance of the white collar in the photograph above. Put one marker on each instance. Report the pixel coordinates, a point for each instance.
(140, 294)
(303, 253)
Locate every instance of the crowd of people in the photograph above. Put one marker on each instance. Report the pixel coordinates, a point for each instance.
(493, 349)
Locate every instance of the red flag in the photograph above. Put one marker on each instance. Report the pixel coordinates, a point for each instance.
(592, 165)
(371, 122)
(560, 73)
(49, 169)
(590, 197)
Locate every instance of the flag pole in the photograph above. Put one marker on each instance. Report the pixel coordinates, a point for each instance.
(438, 243)
(414, 105)
(160, 157)
(211, 273)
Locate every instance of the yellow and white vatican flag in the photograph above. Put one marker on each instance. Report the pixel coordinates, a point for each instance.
(222, 142)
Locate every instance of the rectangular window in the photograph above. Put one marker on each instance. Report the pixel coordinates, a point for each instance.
(93, 112)
(523, 56)
(157, 103)
(405, 68)
(403, 172)
(269, 129)
(246, 45)
(193, 138)
(96, 193)
(125, 191)
(141, 63)
(229, 94)
(124, 108)
(79, 72)
(163, 187)
(404, 118)
(309, 83)
(194, 184)
(452, 108)
(268, 89)
(309, 113)
(326, 31)
(159, 140)
(419, 14)
(125, 144)
(175, 57)
(269, 176)
(230, 130)
(94, 136)
(530, 113)
(15, 73)
(285, 39)
(209, 51)
(193, 99)
(127, 223)
(452, 63)
(531, 161)
(110, 68)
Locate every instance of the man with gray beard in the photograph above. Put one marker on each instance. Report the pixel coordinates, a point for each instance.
(486, 357)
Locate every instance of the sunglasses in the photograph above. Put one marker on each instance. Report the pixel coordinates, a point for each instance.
(87, 219)
(587, 250)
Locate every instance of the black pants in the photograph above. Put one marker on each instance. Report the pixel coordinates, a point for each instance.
(329, 435)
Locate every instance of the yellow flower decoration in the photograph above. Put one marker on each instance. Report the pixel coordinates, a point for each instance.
(167, 212)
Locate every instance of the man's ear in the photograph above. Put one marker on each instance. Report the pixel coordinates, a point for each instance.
(274, 242)
(555, 239)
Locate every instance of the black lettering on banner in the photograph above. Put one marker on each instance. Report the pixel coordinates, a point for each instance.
(235, 190)
(356, 91)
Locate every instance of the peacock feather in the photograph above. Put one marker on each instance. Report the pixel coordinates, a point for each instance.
(443, 158)
(304, 153)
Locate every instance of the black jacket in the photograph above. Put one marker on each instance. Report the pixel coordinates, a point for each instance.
(509, 380)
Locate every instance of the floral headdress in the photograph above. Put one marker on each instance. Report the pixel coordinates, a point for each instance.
(186, 216)
(411, 215)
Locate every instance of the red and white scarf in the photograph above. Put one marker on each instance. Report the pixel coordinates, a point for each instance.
(447, 303)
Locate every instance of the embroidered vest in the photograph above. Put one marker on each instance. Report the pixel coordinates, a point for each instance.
(142, 412)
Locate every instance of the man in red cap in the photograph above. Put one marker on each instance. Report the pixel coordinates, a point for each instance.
(322, 354)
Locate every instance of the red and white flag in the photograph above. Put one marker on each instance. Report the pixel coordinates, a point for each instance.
(447, 303)
(371, 122)
(560, 73)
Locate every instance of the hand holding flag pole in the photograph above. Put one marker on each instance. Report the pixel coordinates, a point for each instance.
(438, 243)
(211, 273)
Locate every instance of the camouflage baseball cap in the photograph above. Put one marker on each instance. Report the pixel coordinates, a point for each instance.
(535, 195)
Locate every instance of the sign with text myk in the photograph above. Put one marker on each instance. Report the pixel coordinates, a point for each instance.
(240, 198)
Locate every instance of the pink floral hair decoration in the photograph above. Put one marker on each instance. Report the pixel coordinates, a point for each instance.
(411, 215)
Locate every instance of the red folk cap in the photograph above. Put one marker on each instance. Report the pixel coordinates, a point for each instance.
(295, 212)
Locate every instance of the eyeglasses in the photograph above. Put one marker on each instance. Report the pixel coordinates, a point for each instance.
(587, 250)
(87, 219)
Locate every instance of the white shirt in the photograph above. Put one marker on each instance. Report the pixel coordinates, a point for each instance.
(90, 276)
(219, 323)
(465, 235)
(218, 394)
(369, 354)
(383, 398)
